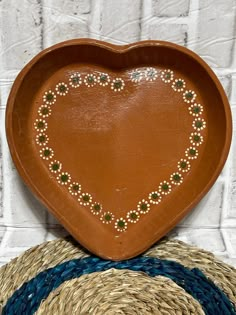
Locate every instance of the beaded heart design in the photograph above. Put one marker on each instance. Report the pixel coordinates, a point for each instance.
(117, 85)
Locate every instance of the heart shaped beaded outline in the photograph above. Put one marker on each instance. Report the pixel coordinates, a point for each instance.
(117, 85)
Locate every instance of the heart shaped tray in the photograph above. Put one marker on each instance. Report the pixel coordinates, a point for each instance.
(118, 142)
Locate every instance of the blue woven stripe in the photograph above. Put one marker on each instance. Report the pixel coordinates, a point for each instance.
(27, 298)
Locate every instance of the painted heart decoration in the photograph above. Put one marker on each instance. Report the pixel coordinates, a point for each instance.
(72, 184)
(118, 155)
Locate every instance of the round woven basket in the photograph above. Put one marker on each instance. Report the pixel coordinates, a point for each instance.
(59, 277)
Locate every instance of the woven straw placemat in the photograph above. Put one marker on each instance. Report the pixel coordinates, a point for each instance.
(59, 277)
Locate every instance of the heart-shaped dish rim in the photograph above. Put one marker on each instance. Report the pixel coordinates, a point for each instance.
(117, 50)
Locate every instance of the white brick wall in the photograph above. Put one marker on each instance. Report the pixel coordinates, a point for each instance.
(21, 32)
(163, 8)
(28, 26)
(216, 31)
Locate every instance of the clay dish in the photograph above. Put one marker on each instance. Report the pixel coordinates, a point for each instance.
(118, 142)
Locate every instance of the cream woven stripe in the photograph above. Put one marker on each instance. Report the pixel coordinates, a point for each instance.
(223, 275)
(33, 261)
(119, 292)
(49, 254)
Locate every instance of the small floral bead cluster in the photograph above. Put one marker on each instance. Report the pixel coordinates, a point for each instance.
(165, 187)
(63, 177)
(196, 138)
(149, 74)
(100, 78)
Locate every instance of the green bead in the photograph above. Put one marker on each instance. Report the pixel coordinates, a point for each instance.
(154, 196)
(176, 177)
(90, 79)
(117, 84)
(46, 152)
(49, 97)
(196, 138)
(42, 138)
(55, 166)
(183, 164)
(189, 95)
(107, 217)
(103, 78)
(64, 178)
(86, 198)
(97, 207)
(144, 206)
(198, 124)
(75, 187)
(62, 88)
(179, 84)
(192, 152)
(121, 224)
(133, 216)
(40, 124)
(165, 186)
(135, 75)
(196, 109)
(75, 79)
(44, 111)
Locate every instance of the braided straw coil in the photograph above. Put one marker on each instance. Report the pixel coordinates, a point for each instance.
(120, 292)
(114, 291)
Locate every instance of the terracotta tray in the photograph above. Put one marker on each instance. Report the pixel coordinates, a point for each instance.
(118, 142)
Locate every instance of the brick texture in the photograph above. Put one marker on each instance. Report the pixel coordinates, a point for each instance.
(65, 20)
(177, 33)
(1, 168)
(215, 39)
(1, 187)
(21, 32)
(163, 8)
(229, 218)
(118, 26)
(199, 217)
